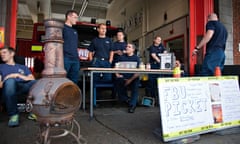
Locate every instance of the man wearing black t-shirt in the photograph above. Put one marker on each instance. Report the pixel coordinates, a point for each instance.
(215, 38)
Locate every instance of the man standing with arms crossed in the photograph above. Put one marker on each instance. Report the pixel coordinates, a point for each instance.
(215, 38)
(119, 47)
(154, 59)
(70, 45)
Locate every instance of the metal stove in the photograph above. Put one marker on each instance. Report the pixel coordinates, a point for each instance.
(54, 99)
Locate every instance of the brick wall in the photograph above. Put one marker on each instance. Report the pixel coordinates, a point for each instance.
(226, 17)
(236, 31)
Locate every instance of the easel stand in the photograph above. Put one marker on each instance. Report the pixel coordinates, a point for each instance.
(187, 140)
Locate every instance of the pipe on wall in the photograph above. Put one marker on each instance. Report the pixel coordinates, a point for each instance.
(13, 23)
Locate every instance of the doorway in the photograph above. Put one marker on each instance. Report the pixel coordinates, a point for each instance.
(176, 45)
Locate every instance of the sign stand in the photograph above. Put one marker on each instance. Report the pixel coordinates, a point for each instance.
(197, 105)
(190, 139)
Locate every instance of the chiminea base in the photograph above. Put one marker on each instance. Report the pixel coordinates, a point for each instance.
(47, 132)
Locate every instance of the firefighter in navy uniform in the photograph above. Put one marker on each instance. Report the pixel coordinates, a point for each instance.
(125, 80)
(101, 53)
(154, 50)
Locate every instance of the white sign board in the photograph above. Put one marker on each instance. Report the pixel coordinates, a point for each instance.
(195, 105)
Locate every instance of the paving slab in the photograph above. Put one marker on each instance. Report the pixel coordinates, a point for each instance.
(110, 125)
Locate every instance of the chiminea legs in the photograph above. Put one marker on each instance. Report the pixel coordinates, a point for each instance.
(47, 132)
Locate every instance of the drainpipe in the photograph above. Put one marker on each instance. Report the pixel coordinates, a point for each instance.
(13, 23)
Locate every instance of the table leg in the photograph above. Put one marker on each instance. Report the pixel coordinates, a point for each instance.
(84, 91)
(91, 94)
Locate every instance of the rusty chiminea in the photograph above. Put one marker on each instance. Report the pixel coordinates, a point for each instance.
(54, 98)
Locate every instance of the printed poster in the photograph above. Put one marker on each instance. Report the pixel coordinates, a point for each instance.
(195, 105)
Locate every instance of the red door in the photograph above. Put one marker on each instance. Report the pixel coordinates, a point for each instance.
(198, 12)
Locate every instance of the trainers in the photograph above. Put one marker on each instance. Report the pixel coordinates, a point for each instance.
(32, 116)
(13, 121)
(131, 109)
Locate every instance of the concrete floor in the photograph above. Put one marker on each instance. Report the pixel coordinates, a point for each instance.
(110, 125)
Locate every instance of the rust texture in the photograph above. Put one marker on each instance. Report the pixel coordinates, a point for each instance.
(54, 98)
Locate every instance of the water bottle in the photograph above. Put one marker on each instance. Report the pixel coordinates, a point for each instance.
(142, 65)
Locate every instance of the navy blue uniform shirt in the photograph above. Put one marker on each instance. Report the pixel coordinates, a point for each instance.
(70, 45)
(133, 58)
(157, 50)
(118, 46)
(6, 69)
(101, 47)
(219, 37)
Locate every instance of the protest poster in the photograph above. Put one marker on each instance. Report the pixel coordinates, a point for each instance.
(196, 105)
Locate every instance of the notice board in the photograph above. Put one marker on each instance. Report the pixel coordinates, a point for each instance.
(196, 105)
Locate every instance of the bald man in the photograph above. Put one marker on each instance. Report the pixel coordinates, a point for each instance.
(215, 38)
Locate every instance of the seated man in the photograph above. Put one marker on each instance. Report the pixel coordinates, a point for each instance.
(128, 80)
(15, 80)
